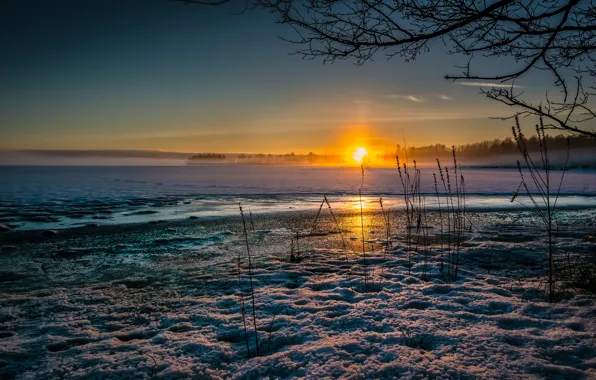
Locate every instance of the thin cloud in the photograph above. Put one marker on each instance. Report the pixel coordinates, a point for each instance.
(444, 97)
(362, 102)
(399, 117)
(487, 84)
(415, 99)
(412, 98)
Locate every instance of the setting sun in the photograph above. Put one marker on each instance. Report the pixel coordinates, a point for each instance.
(359, 155)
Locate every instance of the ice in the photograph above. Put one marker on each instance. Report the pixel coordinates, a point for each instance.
(54, 198)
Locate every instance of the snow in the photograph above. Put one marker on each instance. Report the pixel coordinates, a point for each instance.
(164, 317)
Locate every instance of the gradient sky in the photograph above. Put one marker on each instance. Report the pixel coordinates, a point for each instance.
(151, 74)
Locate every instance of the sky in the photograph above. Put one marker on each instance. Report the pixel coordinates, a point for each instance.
(158, 75)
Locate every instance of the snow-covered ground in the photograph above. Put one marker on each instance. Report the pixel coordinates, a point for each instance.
(104, 309)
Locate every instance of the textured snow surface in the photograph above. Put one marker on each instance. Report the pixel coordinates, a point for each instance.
(90, 317)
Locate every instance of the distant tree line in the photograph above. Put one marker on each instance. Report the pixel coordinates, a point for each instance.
(270, 158)
(208, 156)
(290, 158)
(492, 148)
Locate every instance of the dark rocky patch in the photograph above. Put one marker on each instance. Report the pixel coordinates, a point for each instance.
(180, 328)
(135, 335)
(134, 282)
(58, 346)
(142, 212)
(41, 219)
(417, 305)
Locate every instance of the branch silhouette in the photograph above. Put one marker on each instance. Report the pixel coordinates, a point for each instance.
(557, 36)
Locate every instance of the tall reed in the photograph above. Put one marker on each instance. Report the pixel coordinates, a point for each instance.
(457, 220)
(544, 195)
(362, 229)
(341, 234)
(243, 303)
(314, 223)
(252, 289)
(440, 220)
(413, 201)
(387, 224)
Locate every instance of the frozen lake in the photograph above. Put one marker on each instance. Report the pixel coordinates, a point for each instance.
(36, 197)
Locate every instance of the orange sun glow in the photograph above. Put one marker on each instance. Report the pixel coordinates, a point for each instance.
(359, 155)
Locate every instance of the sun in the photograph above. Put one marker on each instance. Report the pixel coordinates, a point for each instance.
(359, 155)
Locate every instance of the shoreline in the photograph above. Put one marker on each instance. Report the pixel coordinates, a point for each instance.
(233, 221)
(36, 235)
(226, 210)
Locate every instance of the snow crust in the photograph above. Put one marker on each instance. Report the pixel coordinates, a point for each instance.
(82, 317)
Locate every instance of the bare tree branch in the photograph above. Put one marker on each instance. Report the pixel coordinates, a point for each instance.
(557, 36)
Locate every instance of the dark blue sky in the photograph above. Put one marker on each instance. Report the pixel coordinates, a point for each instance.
(152, 74)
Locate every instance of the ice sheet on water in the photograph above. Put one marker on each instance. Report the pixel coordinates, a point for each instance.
(61, 197)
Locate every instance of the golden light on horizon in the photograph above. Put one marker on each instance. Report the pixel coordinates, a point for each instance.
(359, 155)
